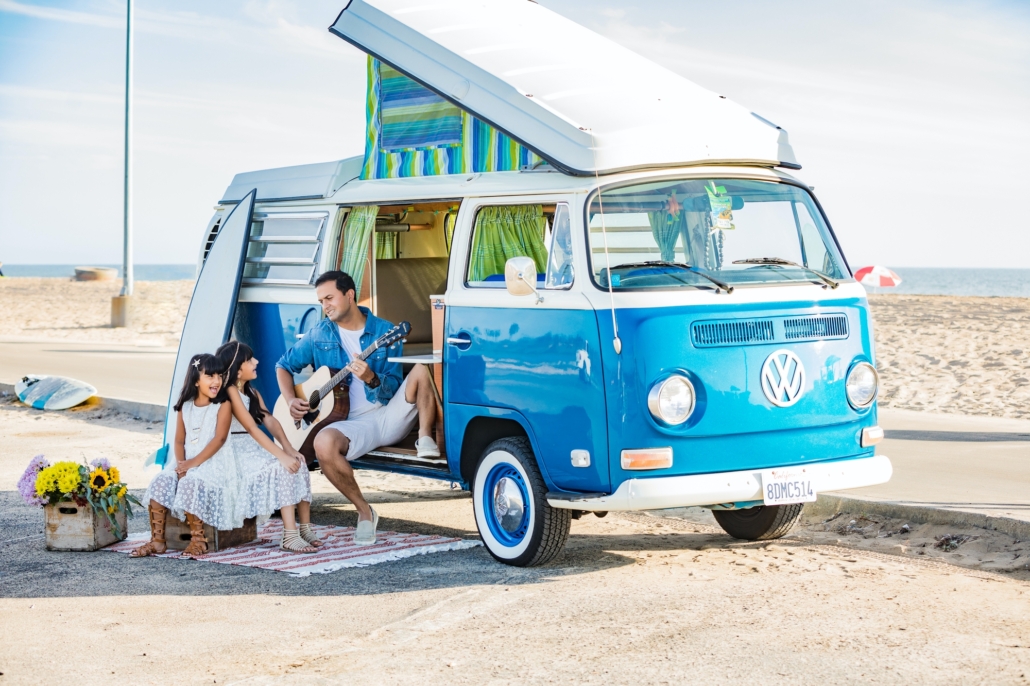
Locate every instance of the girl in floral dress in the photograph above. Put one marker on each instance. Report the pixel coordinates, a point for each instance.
(272, 478)
(202, 483)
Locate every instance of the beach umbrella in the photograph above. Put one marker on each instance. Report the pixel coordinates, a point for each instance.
(877, 276)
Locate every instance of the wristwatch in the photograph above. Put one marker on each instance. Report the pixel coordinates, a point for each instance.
(374, 383)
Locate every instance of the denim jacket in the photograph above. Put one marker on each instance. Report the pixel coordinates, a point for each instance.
(321, 347)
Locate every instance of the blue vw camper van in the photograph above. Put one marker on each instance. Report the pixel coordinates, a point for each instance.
(627, 297)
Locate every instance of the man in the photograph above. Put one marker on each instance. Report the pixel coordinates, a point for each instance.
(383, 409)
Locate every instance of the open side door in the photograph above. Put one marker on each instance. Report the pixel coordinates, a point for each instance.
(213, 306)
(579, 100)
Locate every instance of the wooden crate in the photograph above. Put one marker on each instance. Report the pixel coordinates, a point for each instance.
(71, 527)
(177, 535)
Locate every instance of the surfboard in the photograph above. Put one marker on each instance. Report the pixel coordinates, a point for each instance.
(52, 392)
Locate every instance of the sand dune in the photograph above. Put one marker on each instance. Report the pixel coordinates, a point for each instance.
(949, 354)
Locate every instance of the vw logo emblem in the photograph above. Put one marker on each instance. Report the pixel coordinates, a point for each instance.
(783, 378)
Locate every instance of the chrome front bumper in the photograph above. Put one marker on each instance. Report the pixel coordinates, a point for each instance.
(721, 488)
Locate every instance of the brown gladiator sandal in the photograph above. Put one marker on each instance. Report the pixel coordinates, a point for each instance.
(198, 544)
(156, 545)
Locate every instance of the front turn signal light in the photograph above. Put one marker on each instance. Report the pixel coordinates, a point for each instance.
(871, 435)
(647, 458)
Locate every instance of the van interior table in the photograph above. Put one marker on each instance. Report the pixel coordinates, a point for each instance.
(416, 359)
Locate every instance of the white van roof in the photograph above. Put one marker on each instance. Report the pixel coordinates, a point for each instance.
(302, 182)
(584, 103)
(337, 182)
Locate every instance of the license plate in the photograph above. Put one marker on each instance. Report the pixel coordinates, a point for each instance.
(784, 486)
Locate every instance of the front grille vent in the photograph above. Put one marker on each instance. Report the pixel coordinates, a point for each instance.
(819, 326)
(743, 332)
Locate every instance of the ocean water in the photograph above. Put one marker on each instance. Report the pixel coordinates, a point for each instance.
(1012, 283)
(142, 272)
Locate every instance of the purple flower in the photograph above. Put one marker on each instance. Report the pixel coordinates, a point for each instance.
(27, 482)
(102, 463)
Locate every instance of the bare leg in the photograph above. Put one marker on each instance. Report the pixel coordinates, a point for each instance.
(304, 511)
(289, 520)
(419, 392)
(331, 448)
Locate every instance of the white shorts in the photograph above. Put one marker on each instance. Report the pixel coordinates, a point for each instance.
(378, 428)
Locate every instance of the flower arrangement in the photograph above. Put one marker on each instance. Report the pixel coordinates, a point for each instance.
(96, 484)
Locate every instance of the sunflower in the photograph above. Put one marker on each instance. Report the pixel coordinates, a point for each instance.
(122, 491)
(99, 479)
(116, 476)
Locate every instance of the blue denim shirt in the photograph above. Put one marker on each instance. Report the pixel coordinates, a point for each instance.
(321, 347)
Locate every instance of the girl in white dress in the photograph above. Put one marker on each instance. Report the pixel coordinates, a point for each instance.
(202, 482)
(272, 478)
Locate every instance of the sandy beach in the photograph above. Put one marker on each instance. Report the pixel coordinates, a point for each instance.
(957, 355)
(635, 598)
(80, 311)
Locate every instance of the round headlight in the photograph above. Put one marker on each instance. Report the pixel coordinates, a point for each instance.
(672, 400)
(862, 384)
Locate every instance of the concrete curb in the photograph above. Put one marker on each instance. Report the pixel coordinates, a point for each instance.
(828, 505)
(148, 412)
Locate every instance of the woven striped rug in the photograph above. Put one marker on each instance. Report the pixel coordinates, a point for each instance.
(339, 551)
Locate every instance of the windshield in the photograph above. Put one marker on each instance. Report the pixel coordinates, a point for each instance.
(722, 228)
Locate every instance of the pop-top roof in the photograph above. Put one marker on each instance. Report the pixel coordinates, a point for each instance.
(583, 102)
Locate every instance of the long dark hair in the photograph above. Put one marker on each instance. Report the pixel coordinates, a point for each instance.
(202, 363)
(232, 355)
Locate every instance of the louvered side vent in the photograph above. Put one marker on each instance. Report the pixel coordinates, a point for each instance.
(211, 236)
(816, 327)
(743, 332)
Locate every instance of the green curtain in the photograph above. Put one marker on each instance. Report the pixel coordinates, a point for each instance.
(386, 246)
(448, 229)
(505, 232)
(357, 231)
(666, 229)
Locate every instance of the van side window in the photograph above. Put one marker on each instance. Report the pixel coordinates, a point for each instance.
(559, 262)
(502, 232)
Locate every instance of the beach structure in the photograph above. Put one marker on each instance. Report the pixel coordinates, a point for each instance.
(627, 299)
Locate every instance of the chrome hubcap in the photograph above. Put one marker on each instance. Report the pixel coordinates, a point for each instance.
(508, 504)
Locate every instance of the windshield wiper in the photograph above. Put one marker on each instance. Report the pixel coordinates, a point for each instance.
(679, 265)
(779, 261)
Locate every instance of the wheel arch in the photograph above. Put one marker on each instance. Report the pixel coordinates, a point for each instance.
(487, 426)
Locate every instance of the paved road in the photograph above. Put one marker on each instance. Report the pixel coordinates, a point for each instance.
(118, 371)
(971, 463)
(980, 464)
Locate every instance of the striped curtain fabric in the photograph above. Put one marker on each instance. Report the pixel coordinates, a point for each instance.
(505, 232)
(357, 231)
(411, 131)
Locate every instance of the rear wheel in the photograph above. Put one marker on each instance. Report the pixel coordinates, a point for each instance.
(514, 520)
(760, 523)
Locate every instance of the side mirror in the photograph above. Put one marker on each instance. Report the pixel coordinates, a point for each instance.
(520, 276)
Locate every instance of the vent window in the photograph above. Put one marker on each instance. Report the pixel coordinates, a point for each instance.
(284, 248)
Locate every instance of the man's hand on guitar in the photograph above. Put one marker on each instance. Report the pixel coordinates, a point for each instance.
(298, 408)
(360, 369)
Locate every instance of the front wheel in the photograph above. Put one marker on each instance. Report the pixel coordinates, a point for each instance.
(760, 523)
(514, 520)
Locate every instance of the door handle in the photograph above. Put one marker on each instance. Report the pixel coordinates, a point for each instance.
(462, 340)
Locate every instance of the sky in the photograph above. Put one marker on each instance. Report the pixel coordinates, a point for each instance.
(911, 120)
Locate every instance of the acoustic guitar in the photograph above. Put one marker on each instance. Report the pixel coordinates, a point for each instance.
(328, 398)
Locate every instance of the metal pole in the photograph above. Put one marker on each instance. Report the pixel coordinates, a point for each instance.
(127, 276)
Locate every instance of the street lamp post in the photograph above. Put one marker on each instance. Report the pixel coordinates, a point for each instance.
(120, 304)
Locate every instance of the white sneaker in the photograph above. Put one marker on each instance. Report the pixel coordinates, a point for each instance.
(427, 447)
(365, 534)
